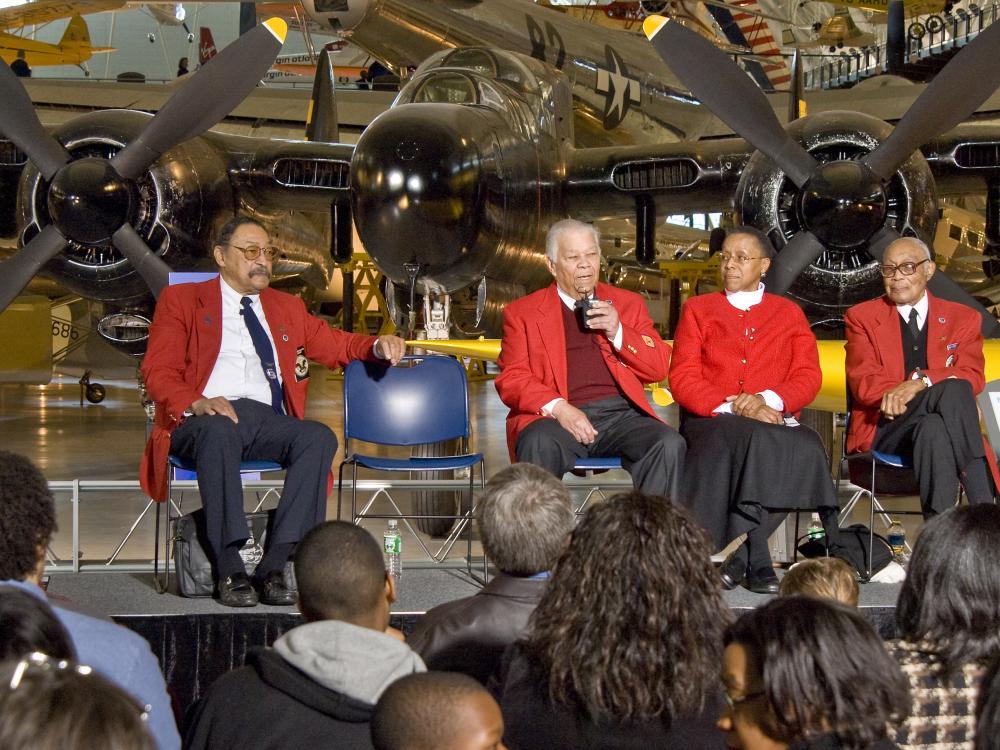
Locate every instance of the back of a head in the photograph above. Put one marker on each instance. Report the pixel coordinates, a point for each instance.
(525, 517)
(51, 705)
(431, 711)
(823, 669)
(27, 516)
(28, 624)
(634, 590)
(340, 573)
(951, 595)
(825, 577)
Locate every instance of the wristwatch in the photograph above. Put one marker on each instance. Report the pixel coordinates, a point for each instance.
(917, 375)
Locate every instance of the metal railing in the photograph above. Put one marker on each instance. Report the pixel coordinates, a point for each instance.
(926, 37)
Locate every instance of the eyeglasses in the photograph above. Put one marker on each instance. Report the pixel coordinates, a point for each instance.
(252, 252)
(43, 663)
(907, 269)
(724, 258)
(734, 702)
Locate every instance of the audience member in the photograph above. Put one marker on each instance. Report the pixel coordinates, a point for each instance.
(52, 704)
(525, 518)
(437, 711)
(948, 617)
(319, 684)
(988, 711)
(27, 624)
(808, 674)
(27, 522)
(824, 577)
(623, 650)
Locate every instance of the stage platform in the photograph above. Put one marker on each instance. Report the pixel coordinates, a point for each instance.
(198, 640)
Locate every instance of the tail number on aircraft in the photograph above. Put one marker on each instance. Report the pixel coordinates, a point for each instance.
(540, 41)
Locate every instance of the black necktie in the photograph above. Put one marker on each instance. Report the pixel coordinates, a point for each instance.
(913, 324)
(265, 351)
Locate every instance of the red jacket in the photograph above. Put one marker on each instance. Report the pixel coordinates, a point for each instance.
(533, 354)
(720, 351)
(875, 356)
(184, 342)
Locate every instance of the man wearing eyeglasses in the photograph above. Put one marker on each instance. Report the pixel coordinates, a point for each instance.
(914, 366)
(228, 367)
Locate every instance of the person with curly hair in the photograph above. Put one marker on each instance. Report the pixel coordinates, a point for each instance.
(806, 673)
(27, 522)
(948, 617)
(623, 649)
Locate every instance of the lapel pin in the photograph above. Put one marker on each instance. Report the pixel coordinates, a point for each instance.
(940, 320)
(284, 337)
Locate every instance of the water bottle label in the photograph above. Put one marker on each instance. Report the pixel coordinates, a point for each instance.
(897, 542)
(393, 544)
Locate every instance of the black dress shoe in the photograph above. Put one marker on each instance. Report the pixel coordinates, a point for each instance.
(733, 570)
(763, 580)
(236, 591)
(272, 590)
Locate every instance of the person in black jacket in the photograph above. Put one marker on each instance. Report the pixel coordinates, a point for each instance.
(623, 650)
(317, 687)
(805, 673)
(525, 518)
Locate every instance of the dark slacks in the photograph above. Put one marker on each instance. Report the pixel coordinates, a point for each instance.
(651, 451)
(216, 444)
(940, 430)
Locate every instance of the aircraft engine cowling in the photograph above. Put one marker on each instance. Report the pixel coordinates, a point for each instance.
(842, 209)
(452, 188)
(174, 206)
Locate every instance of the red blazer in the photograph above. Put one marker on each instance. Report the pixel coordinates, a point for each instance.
(533, 354)
(720, 351)
(184, 342)
(875, 356)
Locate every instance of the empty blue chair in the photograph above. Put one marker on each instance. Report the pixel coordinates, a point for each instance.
(424, 400)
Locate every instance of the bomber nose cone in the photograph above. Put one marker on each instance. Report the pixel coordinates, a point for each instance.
(417, 191)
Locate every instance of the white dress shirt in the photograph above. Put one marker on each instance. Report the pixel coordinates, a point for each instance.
(920, 306)
(744, 301)
(238, 372)
(616, 342)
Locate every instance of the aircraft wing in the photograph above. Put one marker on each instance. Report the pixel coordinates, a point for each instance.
(832, 394)
(44, 11)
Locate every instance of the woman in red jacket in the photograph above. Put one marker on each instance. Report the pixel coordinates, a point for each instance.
(744, 364)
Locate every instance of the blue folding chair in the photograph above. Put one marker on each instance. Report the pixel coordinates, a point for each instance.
(425, 400)
(180, 468)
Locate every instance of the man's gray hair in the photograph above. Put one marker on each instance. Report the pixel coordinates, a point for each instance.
(917, 242)
(524, 518)
(567, 225)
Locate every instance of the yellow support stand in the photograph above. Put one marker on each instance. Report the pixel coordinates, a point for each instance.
(370, 310)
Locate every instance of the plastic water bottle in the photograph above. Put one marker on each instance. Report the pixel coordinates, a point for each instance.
(815, 531)
(896, 536)
(392, 547)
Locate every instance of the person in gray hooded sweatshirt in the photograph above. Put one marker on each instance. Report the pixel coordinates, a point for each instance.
(318, 685)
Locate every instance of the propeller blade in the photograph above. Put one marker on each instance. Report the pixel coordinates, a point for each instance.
(945, 287)
(954, 94)
(880, 241)
(786, 266)
(19, 270)
(154, 271)
(206, 97)
(729, 93)
(19, 122)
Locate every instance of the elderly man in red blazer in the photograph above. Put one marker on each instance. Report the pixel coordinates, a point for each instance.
(573, 361)
(228, 367)
(914, 365)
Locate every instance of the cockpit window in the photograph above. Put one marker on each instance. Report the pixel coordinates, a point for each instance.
(473, 58)
(451, 88)
(489, 96)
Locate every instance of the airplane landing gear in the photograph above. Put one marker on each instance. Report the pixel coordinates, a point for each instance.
(93, 392)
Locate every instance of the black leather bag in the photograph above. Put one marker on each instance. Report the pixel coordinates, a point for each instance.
(191, 562)
(853, 549)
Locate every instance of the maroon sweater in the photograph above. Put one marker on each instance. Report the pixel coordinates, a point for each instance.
(587, 375)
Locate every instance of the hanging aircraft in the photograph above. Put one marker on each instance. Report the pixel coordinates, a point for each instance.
(836, 32)
(73, 48)
(454, 187)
